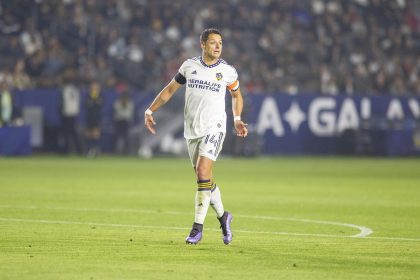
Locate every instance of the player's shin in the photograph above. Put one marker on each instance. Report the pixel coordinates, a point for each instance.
(216, 201)
(202, 200)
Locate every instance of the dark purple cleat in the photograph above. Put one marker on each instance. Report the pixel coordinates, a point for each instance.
(225, 221)
(195, 235)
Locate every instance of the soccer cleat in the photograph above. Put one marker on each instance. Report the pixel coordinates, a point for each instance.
(225, 221)
(195, 235)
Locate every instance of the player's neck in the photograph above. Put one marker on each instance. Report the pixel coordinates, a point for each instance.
(210, 60)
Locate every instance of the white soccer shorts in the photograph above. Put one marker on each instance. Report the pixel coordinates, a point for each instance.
(208, 146)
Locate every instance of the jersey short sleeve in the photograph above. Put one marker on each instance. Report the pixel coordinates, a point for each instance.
(180, 77)
(232, 79)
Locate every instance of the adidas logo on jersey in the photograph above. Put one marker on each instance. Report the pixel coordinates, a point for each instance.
(194, 72)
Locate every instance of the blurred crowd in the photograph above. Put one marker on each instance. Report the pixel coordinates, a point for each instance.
(319, 46)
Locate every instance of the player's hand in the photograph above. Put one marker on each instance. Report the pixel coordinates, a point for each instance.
(241, 129)
(149, 122)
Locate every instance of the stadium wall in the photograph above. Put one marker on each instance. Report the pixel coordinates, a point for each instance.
(278, 124)
(314, 124)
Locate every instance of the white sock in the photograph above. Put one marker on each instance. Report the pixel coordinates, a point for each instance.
(216, 202)
(202, 201)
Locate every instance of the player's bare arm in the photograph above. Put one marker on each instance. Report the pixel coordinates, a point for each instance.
(160, 100)
(237, 105)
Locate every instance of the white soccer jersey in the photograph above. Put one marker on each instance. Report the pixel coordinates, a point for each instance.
(205, 95)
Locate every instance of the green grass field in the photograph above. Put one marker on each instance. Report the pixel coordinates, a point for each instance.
(127, 218)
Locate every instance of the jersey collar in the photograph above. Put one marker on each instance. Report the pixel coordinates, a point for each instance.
(210, 66)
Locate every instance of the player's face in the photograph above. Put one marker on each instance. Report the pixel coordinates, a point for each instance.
(213, 47)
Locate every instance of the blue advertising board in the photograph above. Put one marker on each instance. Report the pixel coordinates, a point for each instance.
(302, 124)
(291, 124)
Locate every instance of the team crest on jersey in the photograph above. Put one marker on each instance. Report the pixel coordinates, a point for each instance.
(219, 76)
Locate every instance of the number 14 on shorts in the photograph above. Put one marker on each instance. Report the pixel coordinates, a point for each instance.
(213, 143)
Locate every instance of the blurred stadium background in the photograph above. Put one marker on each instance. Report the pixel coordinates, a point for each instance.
(319, 77)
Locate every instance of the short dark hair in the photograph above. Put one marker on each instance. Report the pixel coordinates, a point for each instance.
(206, 33)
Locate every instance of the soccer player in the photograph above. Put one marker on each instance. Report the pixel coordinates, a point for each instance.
(207, 78)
